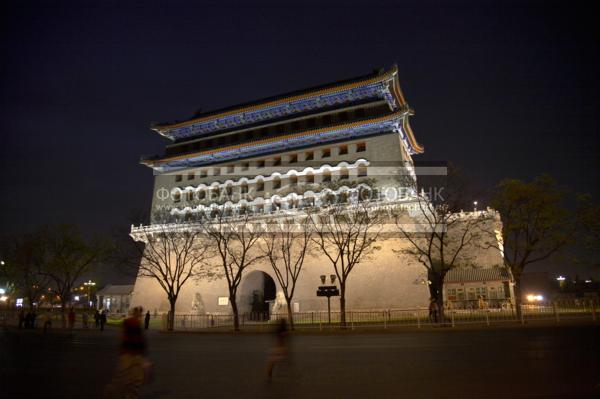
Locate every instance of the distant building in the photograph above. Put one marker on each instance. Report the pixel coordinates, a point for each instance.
(115, 298)
(467, 287)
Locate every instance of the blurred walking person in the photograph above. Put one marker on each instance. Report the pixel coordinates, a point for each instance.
(102, 320)
(84, 320)
(133, 368)
(97, 318)
(21, 319)
(433, 310)
(279, 351)
(71, 319)
(147, 320)
(47, 321)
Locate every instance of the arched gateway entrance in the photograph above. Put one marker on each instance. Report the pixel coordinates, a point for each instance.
(256, 294)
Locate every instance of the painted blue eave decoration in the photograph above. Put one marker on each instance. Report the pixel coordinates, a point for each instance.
(252, 150)
(374, 91)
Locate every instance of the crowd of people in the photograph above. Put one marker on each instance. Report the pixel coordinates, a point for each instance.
(29, 319)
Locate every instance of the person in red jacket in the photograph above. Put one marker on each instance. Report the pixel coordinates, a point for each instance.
(133, 366)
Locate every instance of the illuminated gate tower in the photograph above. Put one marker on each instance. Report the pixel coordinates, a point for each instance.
(281, 154)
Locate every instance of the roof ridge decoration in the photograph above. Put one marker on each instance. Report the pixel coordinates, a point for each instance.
(366, 127)
(383, 86)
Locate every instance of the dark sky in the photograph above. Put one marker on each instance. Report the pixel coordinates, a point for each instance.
(503, 90)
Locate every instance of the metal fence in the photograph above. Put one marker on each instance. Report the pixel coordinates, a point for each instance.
(558, 312)
(390, 318)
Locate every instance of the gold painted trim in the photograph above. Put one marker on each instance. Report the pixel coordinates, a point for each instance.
(390, 73)
(289, 136)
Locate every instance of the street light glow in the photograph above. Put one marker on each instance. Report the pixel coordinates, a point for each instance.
(535, 298)
(2, 291)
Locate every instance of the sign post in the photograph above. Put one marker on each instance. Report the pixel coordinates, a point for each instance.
(328, 291)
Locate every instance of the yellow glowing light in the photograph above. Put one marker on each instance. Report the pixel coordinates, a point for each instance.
(534, 298)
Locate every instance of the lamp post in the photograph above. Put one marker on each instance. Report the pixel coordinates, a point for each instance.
(89, 284)
(474, 206)
(328, 291)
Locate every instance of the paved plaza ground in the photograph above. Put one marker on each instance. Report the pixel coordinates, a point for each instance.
(515, 362)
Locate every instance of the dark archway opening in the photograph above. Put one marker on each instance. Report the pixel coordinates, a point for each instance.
(262, 297)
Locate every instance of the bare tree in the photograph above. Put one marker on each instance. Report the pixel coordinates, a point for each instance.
(439, 239)
(347, 235)
(235, 243)
(23, 260)
(286, 245)
(535, 224)
(67, 257)
(171, 254)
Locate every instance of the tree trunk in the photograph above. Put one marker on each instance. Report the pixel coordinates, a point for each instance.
(436, 289)
(63, 314)
(342, 305)
(234, 309)
(171, 318)
(517, 277)
(290, 315)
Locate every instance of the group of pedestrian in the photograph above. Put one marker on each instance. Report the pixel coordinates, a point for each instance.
(27, 320)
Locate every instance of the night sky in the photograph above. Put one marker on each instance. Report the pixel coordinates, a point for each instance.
(502, 90)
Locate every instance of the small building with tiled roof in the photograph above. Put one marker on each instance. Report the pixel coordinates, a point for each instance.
(472, 287)
(115, 298)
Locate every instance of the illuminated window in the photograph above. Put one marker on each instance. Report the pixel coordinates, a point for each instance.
(326, 153)
(361, 147)
(343, 150)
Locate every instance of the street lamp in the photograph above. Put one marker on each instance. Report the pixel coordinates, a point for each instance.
(89, 284)
(328, 291)
(474, 206)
